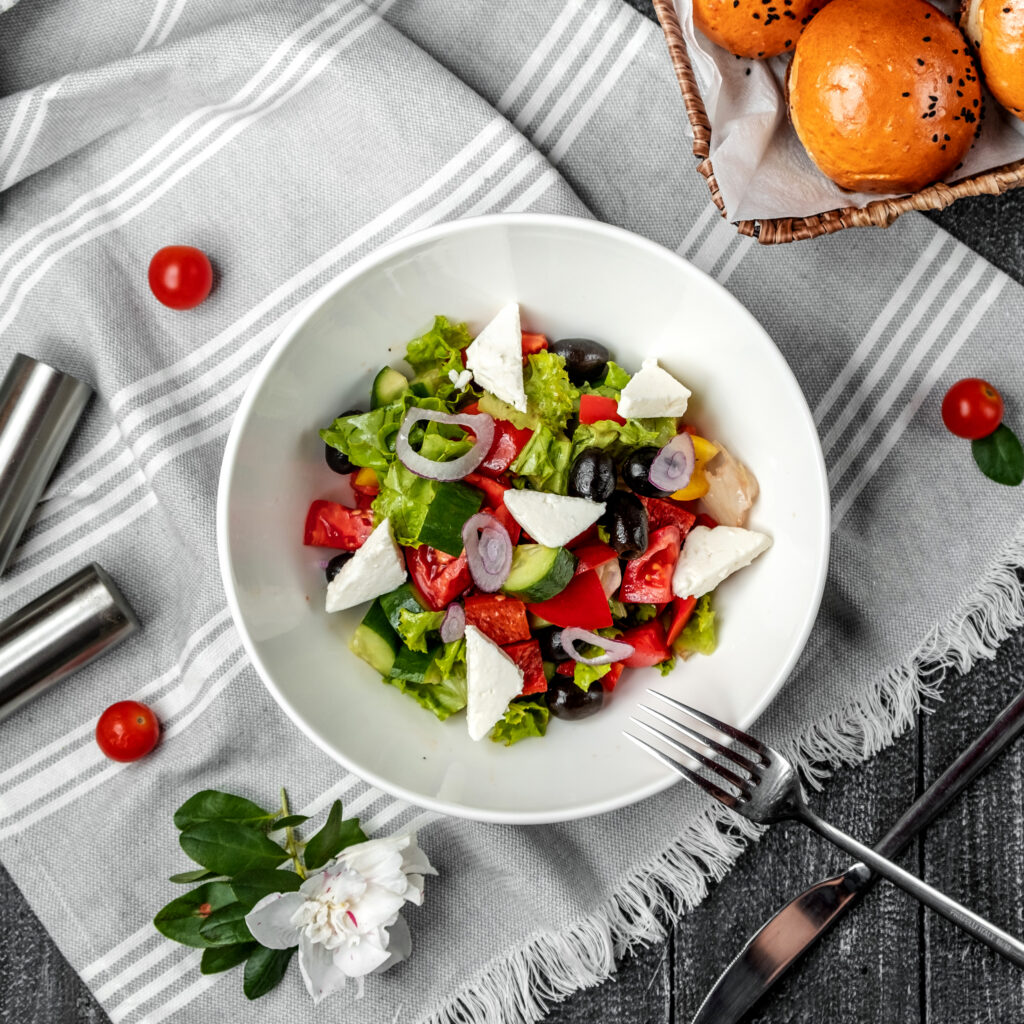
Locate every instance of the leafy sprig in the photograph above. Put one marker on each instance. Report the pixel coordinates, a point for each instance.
(241, 848)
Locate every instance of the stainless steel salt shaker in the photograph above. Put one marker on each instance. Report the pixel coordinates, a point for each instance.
(59, 632)
(39, 407)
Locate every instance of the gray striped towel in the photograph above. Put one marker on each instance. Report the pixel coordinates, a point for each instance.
(288, 140)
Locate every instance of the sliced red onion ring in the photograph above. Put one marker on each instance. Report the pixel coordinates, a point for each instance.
(453, 625)
(480, 424)
(614, 650)
(488, 550)
(673, 465)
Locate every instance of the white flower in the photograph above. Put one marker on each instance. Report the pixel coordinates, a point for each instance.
(341, 915)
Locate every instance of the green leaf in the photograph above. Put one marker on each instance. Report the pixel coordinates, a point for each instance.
(522, 718)
(226, 927)
(332, 838)
(188, 877)
(264, 969)
(413, 627)
(223, 958)
(288, 822)
(251, 886)
(211, 805)
(699, 635)
(228, 847)
(545, 461)
(181, 918)
(1000, 457)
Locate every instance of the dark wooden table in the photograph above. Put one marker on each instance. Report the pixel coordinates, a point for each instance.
(889, 962)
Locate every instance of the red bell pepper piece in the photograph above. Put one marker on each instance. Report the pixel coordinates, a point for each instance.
(593, 556)
(661, 512)
(533, 343)
(609, 679)
(648, 579)
(438, 576)
(330, 525)
(582, 603)
(498, 616)
(588, 536)
(682, 609)
(648, 643)
(508, 442)
(528, 657)
(594, 408)
(566, 668)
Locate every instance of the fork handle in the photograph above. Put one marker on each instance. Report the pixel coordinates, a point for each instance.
(993, 937)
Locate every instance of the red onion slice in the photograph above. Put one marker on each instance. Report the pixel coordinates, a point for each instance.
(614, 650)
(453, 625)
(673, 465)
(488, 551)
(481, 425)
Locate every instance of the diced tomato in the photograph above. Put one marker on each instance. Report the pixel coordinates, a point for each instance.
(566, 668)
(667, 513)
(494, 490)
(588, 536)
(438, 576)
(504, 517)
(498, 616)
(648, 643)
(703, 519)
(508, 442)
(582, 603)
(682, 609)
(533, 343)
(528, 657)
(609, 679)
(330, 525)
(594, 408)
(593, 556)
(648, 579)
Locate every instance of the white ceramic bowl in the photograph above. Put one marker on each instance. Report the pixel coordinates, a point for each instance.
(572, 278)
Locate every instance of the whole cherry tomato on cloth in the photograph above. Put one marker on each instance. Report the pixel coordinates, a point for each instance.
(972, 408)
(180, 276)
(127, 731)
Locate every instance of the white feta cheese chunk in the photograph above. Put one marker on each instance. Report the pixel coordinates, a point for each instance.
(376, 568)
(709, 556)
(653, 391)
(460, 381)
(492, 680)
(552, 519)
(496, 357)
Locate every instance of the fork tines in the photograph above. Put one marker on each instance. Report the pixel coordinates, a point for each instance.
(672, 737)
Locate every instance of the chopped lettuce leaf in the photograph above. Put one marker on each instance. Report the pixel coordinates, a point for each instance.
(645, 612)
(667, 666)
(405, 498)
(443, 698)
(584, 676)
(604, 535)
(413, 627)
(611, 384)
(452, 659)
(699, 635)
(494, 406)
(523, 718)
(618, 609)
(439, 348)
(549, 392)
(544, 461)
(439, 448)
(618, 439)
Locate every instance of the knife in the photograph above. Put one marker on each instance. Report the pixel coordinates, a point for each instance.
(801, 922)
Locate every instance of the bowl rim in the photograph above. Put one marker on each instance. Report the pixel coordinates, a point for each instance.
(269, 361)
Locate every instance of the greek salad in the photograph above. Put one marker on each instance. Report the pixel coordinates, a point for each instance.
(528, 520)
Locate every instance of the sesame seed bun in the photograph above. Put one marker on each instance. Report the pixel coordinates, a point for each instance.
(754, 28)
(884, 95)
(995, 29)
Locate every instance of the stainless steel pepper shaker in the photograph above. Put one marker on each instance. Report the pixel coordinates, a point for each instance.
(59, 632)
(39, 407)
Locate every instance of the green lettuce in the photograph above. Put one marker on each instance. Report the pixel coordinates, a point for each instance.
(699, 635)
(666, 666)
(452, 659)
(645, 612)
(413, 627)
(523, 718)
(618, 439)
(551, 398)
(611, 384)
(404, 498)
(443, 689)
(439, 349)
(544, 461)
(584, 676)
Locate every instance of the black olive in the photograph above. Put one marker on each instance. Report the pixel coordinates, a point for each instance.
(337, 460)
(626, 519)
(567, 700)
(636, 470)
(334, 565)
(585, 360)
(551, 648)
(592, 475)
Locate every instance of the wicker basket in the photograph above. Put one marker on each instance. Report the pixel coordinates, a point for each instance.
(774, 231)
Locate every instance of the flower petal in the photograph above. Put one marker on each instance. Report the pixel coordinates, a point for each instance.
(377, 906)
(321, 976)
(414, 860)
(375, 857)
(270, 921)
(399, 946)
(361, 959)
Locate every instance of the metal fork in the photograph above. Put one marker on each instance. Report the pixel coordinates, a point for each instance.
(762, 785)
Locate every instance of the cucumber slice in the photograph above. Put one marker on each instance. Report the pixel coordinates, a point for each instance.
(414, 666)
(388, 385)
(453, 504)
(538, 573)
(375, 641)
(393, 603)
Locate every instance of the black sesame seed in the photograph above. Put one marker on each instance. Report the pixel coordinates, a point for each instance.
(926, 39)
(906, 94)
(921, 62)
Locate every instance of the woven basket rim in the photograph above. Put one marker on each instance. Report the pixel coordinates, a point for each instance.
(779, 230)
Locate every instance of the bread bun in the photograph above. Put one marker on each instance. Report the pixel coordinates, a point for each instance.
(884, 95)
(754, 28)
(996, 30)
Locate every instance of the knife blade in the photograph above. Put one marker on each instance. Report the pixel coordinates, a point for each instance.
(794, 929)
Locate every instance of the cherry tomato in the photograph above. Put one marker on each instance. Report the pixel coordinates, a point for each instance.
(127, 731)
(330, 525)
(972, 408)
(648, 579)
(180, 276)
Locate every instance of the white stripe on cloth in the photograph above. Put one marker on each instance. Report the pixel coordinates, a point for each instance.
(152, 27)
(714, 247)
(32, 134)
(156, 986)
(744, 244)
(707, 214)
(892, 436)
(14, 128)
(171, 22)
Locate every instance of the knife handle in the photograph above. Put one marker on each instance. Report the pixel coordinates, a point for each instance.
(1006, 727)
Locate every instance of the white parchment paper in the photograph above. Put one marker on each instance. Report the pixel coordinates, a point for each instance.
(760, 165)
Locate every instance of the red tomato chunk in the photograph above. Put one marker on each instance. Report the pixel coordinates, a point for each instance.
(330, 525)
(438, 576)
(648, 643)
(498, 616)
(528, 657)
(594, 408)
(667, 513)
(648, 579)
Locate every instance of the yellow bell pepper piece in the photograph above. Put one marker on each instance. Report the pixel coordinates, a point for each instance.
(696, 488)
(365, 477)
(704, 450)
